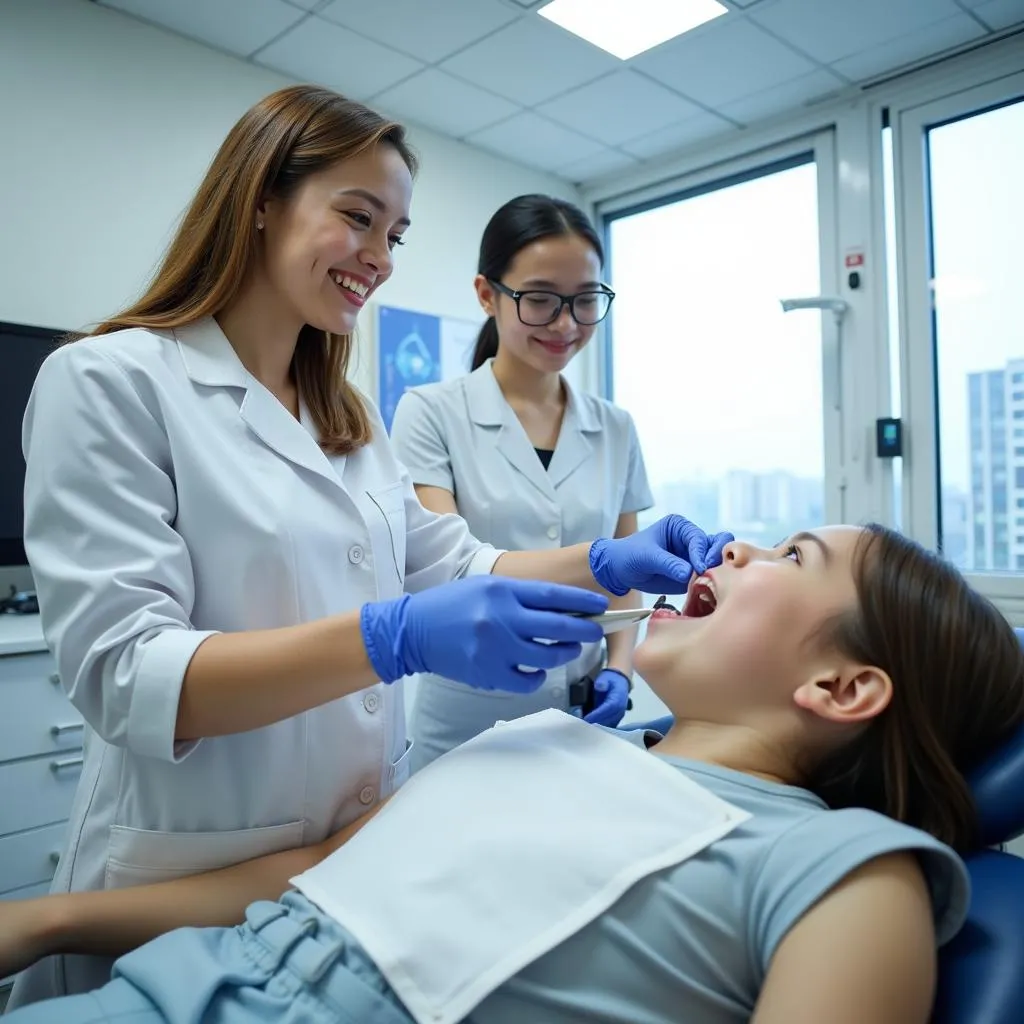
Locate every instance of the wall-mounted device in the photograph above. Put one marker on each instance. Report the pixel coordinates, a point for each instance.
(889, 438)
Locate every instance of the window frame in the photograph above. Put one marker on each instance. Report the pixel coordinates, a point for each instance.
(817, 148)
(856, 117)
(910, 124)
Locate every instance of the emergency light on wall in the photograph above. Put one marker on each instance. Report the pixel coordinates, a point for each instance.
(625, 28)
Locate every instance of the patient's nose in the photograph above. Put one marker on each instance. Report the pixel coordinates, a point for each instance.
(737, 554)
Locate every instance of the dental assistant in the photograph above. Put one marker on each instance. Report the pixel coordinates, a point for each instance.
(524, 458)
(233, 569)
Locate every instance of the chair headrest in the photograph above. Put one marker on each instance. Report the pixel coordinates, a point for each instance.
(998, 788)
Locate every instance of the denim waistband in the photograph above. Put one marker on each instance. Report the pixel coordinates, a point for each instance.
(295, 934)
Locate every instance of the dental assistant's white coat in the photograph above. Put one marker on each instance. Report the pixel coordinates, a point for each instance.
(463, 436)
(169, 495)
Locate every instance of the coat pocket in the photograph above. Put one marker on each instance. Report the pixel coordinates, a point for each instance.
(138, 856)
(390, 502)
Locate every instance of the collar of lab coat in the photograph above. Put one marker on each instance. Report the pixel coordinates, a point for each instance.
(210, 360)
(576, 441)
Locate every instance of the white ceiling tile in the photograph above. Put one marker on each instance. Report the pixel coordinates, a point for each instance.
(318, 51)
(449, 105)
(1000, 14)
(619, 106)
(237, 26)
(532, 139)
(731, 59)
(829, 30)
(926, 42)
(530, 61)
(428, 30)
(676, 136)
(606, 161)
(789, 96)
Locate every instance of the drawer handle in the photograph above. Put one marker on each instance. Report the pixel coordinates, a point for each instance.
(58, 730)
(55, 856)
(66, 762)
(55, 678)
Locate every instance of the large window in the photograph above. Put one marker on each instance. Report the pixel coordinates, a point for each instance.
(725, 388)
(967, 241)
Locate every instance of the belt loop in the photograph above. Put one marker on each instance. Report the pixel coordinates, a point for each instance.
(259, 915)
(323, 961)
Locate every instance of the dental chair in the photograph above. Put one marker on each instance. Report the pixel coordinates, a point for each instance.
(981, 972)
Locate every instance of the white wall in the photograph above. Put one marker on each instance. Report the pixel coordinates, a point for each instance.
(106, 126)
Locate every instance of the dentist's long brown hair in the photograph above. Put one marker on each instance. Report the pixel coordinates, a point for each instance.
(279, 142)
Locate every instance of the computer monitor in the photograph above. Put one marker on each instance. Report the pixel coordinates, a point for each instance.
(22, 351)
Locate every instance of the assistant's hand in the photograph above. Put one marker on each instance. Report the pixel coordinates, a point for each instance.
(480, 631)
(658, 560)
(611, 689)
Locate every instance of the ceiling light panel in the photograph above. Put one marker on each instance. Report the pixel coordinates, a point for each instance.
(625, 28)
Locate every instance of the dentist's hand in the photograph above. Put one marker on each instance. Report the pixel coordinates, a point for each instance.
(611, 695)
(658, 560)
(480, 631)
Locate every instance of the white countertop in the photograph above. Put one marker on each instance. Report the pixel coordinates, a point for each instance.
(21, 634)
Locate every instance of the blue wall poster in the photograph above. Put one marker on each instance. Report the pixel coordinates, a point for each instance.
(408, 352)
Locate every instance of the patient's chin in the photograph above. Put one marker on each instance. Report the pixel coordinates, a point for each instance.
(658, 666)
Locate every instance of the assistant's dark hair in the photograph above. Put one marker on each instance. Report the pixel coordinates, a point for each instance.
(957, 670)
(519, 223)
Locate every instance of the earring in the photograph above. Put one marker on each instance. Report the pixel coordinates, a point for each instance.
(259, 225)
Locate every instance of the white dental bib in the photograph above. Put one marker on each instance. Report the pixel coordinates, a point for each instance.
(502, 849)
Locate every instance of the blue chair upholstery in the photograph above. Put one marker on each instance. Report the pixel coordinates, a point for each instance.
(981, 972)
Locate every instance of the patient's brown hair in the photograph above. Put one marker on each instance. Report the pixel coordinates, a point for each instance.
(957, 670)
(286, 137)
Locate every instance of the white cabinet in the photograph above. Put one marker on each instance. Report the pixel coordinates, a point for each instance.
(40, 759)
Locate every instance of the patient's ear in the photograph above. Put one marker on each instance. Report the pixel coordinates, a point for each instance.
(855, 694)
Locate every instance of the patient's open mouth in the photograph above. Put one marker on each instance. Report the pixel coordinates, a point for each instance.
(701, 599)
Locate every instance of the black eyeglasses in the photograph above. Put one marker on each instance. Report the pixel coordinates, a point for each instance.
(540, 308)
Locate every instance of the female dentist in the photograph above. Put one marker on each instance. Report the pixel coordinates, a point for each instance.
(525, 459)
(233, 568)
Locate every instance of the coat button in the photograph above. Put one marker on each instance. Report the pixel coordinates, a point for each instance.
(355, 554)
(553, 532)
(371, 702)
(366, 795)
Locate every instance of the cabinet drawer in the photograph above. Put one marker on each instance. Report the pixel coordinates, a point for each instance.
(30, 858)
(36, 716)
(39, 791)
(30, 892)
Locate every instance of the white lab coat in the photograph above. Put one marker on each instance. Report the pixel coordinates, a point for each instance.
(463, 436)
(168, 496)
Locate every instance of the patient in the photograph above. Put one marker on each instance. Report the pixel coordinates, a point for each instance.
(846, 669)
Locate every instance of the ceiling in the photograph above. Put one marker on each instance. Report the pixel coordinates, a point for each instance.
(496, 75)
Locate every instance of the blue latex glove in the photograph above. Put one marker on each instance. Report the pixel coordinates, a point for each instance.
(612, 695)
(658, 560)
(480, 631)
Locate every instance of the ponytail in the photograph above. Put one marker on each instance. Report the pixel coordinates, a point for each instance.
(486, 344)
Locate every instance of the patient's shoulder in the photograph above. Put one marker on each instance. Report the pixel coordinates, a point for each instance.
(815, 853)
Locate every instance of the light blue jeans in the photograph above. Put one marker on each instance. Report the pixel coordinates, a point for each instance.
(289, 964)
